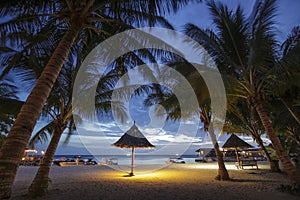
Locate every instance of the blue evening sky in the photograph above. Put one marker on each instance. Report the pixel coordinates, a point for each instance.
(159, 132)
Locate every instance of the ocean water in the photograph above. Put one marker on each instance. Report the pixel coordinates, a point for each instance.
(126, 159)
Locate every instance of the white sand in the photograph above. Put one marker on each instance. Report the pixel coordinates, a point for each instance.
(176, 181)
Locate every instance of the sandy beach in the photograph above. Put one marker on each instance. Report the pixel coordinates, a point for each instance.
(175, 181)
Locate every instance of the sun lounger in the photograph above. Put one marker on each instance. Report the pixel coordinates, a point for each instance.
(244, 163)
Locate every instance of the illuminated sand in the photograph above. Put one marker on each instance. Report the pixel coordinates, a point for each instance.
(176, 181)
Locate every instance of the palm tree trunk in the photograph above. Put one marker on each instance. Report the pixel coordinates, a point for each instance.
(39, 185)
(17, 139)
(273, 167)
(222, 171)
(289, 168)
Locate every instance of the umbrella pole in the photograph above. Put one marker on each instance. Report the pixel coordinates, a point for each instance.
(132, 161)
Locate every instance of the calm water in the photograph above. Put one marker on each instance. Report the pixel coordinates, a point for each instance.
(126, 160)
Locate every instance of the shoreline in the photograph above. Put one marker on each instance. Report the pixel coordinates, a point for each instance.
(175, 181)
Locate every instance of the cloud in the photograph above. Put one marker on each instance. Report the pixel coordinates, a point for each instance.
(153, 131)
(185, 139)
(165, 137)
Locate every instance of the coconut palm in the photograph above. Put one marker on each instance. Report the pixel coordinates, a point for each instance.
(169, 101)
(59, 108)
(73, 18)
(205, 117)
(245, 49)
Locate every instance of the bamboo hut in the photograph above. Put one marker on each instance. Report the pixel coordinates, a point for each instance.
(237, 144)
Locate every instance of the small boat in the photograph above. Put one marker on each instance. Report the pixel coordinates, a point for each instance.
(70, 163)
(109, 161)
(176, 160)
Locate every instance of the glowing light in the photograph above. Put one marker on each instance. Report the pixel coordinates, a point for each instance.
(230, 166)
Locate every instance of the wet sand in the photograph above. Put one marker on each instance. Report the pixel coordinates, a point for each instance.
(175, 181)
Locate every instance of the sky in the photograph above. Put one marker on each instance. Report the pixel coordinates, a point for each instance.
(198, 14)
(97, 138)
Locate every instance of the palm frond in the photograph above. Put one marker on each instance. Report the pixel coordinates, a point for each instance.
(42, 134)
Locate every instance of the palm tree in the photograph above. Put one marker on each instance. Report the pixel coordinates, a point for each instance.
(245, 49)
(59, 107)
(73, 18)
(168, 99)
(206, 119)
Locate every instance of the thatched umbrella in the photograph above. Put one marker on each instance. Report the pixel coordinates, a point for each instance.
(236, 143)
(133, 138)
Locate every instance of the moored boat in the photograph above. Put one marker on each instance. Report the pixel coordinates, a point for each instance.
(176, 160)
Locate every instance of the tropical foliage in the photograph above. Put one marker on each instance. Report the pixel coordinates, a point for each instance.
(245, 50)
(169, 100)
(9, 108)
(75, 20)
(43, 43)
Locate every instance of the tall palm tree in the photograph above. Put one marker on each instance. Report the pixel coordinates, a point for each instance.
(205, 117)
(59, 104)
(59, 107)
(72, 18)
(168, 99)
(245, 49)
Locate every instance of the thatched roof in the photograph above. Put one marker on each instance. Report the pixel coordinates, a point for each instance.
(235, 142)
(133, 138)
